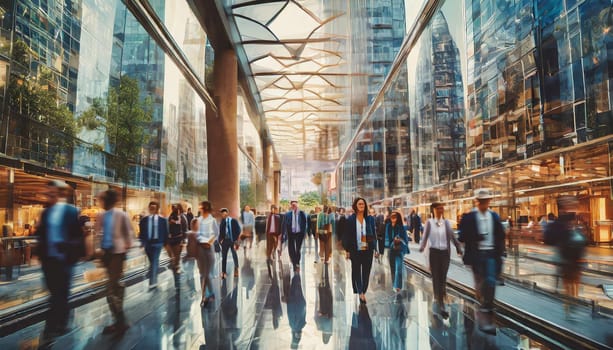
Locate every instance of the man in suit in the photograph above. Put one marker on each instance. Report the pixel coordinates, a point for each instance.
(60, 242)
(483, 235)
(273, 231)
(153, 236)
(229, 232)
(116, 230)
(295, 227)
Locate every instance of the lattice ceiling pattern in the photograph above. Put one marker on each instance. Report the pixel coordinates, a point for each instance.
(295, 51)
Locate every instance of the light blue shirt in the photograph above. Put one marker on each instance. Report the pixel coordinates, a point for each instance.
(248, 218)
(55, 233)
(107, 232)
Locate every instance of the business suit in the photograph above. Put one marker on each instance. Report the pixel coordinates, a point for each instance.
(120, 229)
(295, 235)
(272, 234)
(153, 237)
(58, 252)
(361, 260)
(484, 262)
(228, 239)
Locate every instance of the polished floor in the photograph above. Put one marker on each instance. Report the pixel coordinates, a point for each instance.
(270, 307)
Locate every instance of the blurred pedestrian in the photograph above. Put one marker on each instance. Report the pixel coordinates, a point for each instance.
(177, 229)
(153, 235)
(229, 231)
(483, 235)
(324, 233)
(273, 232)
(439, 235)
(116, 230)
(397, 243)
(569, 238)
(207, 233)
(248, 220)
(60, 240)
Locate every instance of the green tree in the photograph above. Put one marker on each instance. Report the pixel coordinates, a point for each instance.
(247, 195)
(125, 118)
(170, 178)
(309, 200)
(283, 204)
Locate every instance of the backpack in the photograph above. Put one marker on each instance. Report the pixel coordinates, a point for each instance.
(573, 248)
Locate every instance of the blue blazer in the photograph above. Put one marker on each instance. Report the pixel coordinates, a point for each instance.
(162, 230)
(235, 229)
(73, 247)
(350, 243)
(287, 222)
(469, 235)
(399, 231)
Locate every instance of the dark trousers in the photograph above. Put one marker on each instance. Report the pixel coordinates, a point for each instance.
(294, 246)
(58, 276)
(416, 235)
(225, 246)
(439, 265)
(361, 263)
(484, 273)
(115, 289)
(153, 251)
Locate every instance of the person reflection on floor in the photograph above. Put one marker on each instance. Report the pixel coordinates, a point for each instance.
(439, 333)
(323, 316)
(361, 336)
(273, 298)
(247, 275)
(398, 324)
(296, 310)
(229, 309)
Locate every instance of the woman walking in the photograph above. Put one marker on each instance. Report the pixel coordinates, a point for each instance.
(359, 241)
(397, 243)
(324, 230)
(207, 231)
(248, 221)
(439, 235)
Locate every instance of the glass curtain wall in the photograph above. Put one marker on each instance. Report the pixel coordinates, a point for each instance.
(512, 95)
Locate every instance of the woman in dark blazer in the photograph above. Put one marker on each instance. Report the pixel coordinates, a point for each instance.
(397, 243)
(359, 241)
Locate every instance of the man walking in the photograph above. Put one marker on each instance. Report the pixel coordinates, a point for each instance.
(116, 230)
(61, 245)
(483, 235)
(295, 227)
(229, 231)
(153, 236)
(273, 230)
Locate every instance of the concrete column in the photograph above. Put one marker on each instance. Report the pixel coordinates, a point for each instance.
(221, 131)
(268, 176)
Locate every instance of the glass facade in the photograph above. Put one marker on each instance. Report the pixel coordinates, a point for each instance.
(513, 95)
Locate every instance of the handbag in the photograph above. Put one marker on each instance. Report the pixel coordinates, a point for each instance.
(217, 246)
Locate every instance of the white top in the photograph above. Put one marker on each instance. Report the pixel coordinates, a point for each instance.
(207, 229)
(360, 230)
(272, 227)
(438, 234)
(485, 224)
(248, 218)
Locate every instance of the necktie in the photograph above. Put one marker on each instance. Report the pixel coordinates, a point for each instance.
(151, 227)
(155, 228)
(229, 229)
(295, 225)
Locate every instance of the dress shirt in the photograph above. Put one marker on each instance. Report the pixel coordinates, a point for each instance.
(438, 234)
(485, 224)
(107, 230)
(207, 229)
(229, 229)
(295, 222)
(153, 227)
(360, 230)
(55, 232)
(271, 225)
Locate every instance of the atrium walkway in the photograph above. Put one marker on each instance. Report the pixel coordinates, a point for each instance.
(270, 307)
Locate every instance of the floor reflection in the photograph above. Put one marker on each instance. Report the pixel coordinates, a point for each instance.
(268, 306)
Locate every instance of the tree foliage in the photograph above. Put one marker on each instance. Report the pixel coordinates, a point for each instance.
(247, 195)
(309, 200)
(170, 178)
(126, 118)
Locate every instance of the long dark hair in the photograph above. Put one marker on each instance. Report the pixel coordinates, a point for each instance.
(355, 206)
